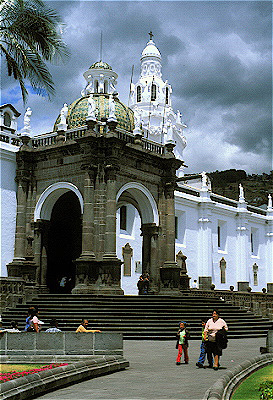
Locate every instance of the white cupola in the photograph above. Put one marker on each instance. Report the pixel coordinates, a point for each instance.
(100, 78)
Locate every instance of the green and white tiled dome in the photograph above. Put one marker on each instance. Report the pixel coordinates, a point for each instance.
(78, 111)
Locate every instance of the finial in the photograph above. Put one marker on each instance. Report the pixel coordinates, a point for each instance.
(151, 35)
(100, 45)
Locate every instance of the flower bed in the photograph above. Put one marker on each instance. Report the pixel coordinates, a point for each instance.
(7, 376)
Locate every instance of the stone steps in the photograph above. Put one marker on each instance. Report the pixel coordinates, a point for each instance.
(139, 317)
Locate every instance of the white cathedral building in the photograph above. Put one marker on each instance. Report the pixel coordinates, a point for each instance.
(226, 241)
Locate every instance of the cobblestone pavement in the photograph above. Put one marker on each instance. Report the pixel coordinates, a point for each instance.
(153, 374)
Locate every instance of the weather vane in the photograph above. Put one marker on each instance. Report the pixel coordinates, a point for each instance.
(151, 35)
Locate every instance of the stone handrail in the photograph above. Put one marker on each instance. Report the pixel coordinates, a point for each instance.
(10, 138)
(259, 303)
(14, 291)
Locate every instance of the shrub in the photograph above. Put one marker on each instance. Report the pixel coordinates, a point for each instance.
(266, 389)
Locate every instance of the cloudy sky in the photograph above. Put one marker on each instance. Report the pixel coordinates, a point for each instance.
(217, 55)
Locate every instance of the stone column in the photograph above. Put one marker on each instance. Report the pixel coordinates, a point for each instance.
(170, 226)
(88, 216)
(86, 270)
(170, 272)
(20, 233)
(150, 254)
(40, 255)
(23, 264)
(110, 265)
(110, 223)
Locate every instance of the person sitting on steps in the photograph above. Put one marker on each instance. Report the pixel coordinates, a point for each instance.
(84, 324)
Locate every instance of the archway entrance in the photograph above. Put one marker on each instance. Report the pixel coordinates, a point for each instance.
(64, 243)
(137, 224)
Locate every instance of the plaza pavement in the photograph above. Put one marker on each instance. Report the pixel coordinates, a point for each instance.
(153, 374)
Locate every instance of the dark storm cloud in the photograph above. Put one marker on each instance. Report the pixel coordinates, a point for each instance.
(217, 55)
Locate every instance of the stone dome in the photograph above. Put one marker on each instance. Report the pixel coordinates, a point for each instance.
(78, 111)
(100, 65)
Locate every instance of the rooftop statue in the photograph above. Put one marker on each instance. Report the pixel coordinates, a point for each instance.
(27, 116)
(91, 107)
(63, 114)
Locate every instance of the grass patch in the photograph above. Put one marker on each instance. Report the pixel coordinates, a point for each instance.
(13, 371)
(18, 367)
(249, 388)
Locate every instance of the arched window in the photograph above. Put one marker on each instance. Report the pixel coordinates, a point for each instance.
(105, 87)
(167, 95)
(138, 91)
(96, 86)
(7, 119)
(153, 92)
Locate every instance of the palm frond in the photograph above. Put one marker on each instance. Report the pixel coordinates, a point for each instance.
(29, 31)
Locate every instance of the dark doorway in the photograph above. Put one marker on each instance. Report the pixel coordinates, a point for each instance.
(64, 243)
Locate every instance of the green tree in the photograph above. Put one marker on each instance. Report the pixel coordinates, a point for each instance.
(30, 36)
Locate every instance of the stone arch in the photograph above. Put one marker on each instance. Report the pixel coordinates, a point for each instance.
(49, 197)
(143, 200)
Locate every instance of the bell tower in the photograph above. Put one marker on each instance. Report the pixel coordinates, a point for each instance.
(151, 101)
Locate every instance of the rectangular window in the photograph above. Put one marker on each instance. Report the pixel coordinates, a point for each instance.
(221, 235)
(123, 218)
(180, 227)
(254, 241)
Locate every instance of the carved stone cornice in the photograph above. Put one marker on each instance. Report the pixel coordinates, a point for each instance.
(111, 171)
(151, 230)
(91, 169)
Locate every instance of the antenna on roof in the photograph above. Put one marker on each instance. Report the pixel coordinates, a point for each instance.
(130, 90)
(100, 45)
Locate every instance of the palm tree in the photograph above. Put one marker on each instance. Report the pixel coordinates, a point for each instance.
(29, 37)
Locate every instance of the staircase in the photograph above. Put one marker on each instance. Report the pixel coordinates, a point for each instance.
(138, 317)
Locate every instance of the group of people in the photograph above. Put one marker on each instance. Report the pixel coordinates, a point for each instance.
(143, 284)
(214, 340)
(34, 324)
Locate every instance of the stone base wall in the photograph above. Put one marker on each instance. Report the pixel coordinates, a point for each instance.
(52, 347)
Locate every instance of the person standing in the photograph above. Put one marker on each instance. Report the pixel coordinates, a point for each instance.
(202, 357)
(34, 321)
(212, 326)
(182, 343)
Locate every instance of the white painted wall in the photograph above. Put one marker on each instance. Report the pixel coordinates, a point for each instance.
(8, 203)
(131, 236)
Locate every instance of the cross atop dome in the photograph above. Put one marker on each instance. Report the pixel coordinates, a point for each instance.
(151, 35)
